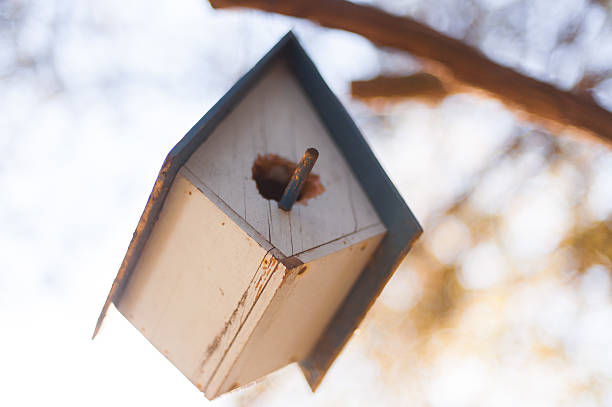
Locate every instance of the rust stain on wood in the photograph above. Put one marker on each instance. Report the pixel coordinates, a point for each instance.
(247, 301)
(210, 350)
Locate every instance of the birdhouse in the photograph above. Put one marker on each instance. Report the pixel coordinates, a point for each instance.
(269, 233)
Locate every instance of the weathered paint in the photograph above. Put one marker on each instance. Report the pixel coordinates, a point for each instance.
(403, 228)
(276, 119)
(217, 350)
(183, 295)
(297, 314)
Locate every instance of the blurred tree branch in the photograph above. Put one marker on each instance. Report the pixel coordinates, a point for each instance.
(451, 59)
(420, 85)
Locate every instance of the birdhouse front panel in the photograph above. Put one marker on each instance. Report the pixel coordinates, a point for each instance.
(275, 118)
(248, 258)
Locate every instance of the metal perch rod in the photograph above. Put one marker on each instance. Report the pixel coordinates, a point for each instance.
(298, 178)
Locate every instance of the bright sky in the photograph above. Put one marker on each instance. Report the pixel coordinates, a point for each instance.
(78, 163)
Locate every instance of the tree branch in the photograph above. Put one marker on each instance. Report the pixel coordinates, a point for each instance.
(539, 100)
(420, 85)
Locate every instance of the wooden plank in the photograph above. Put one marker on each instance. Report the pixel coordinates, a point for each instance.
(280, 132)
(255, 314)
(221, 165)
(189, 279)
(221, 204)
(256, 208)
(341, 243)
(365, 215)
(241, 320)
(335, 204)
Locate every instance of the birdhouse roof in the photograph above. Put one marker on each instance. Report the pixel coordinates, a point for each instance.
(402, 227)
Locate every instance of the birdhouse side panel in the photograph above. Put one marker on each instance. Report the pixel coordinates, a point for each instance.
(300, 311)
(276, 117)
(190, 277)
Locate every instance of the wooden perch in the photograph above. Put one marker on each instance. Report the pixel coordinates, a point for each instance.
(420, 85)
(539, 100)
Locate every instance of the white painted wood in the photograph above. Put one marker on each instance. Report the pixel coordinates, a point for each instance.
(276, 117)
(224, 309)
(365, 215)
(341, 243)
(190, 277)
(241, 319)
(298, 313)
(232, 352)
(221, 204)
(217, 288)
(256, 209)
(280, 132)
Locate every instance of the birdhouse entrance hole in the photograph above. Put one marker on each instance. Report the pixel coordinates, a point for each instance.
(272, 173)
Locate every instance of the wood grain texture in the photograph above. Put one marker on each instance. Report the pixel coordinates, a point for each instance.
(221, 204)
(341, 243)
(298, 313)
(540, 101)
(237, 344)
(275, 117)
(189, 279)
(242, 321)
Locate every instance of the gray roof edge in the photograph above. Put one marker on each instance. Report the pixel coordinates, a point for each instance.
(387, 200)
(403, 228)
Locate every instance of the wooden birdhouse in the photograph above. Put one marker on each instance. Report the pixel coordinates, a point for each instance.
(228, 285)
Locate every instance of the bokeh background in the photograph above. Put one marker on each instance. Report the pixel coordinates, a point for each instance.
(505, 300)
